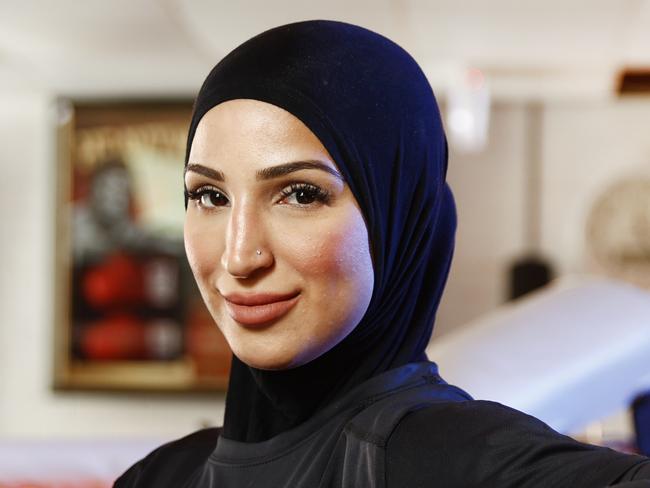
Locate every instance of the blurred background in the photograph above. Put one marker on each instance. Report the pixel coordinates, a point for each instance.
(547, 109)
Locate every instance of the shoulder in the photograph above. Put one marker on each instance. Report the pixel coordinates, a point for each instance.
(171, 463)
(450, 426)
(483, 443)
(460, 421)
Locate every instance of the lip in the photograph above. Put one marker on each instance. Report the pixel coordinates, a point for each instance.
(260, 308)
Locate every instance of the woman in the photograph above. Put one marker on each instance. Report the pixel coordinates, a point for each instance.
(320, 231)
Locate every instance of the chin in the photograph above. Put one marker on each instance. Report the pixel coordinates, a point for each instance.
(269, 363)
(271, 358)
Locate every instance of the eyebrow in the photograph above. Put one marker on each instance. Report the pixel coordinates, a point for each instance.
(270, 172)
(213, 174)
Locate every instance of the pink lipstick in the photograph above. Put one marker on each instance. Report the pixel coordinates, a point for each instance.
(259, 308)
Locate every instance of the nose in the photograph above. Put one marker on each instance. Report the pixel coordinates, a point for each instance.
(245, 251)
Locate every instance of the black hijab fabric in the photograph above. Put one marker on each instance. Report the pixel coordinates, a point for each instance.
(373, 109)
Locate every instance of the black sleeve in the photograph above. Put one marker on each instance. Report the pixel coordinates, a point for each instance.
(486, 444)
(640, 471)
(171, 464)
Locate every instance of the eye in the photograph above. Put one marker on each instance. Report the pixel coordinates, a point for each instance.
(304, 194)
(207, 197)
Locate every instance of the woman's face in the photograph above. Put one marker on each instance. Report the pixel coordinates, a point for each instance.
(275, 238)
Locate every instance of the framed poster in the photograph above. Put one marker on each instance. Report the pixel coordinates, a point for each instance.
(128, 315)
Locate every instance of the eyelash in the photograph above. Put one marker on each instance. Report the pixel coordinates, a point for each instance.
(197, 195)
(319, 195)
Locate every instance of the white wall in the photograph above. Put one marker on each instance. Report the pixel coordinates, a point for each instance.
(584, 145)
(489, 192)
(587, 147)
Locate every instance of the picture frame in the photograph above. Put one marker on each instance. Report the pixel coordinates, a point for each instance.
(128, 314)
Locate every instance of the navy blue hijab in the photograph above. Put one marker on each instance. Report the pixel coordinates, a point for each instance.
(370, 105)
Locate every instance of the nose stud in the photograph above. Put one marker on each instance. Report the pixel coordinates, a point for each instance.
(258, 252)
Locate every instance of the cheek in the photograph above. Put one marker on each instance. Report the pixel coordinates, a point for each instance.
(202, 254)
(335, 266)
(334, 259)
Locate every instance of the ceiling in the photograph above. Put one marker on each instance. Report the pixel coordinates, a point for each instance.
(527, 49)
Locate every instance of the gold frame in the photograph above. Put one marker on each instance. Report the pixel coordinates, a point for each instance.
(175, 375)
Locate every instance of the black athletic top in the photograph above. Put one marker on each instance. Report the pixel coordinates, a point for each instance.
(403, 428)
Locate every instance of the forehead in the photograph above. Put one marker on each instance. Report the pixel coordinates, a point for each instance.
(255, 132)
